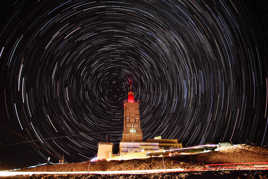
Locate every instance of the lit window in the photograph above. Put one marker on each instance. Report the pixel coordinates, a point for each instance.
(132, 130)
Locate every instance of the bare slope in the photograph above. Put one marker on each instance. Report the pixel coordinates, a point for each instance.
(229, 154)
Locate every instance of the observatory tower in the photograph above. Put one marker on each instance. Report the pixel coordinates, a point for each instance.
(132, 138)
(132, 131)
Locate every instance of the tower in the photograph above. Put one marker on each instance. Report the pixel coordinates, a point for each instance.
(132, 131)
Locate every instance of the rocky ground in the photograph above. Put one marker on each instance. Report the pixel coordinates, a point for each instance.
(228, 154)
(193, 175)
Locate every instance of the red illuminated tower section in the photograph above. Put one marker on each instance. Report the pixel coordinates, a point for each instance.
(132, 130)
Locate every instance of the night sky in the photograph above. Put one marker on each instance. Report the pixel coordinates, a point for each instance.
(199, 71)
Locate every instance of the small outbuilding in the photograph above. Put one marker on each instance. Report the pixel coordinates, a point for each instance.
(105, 150)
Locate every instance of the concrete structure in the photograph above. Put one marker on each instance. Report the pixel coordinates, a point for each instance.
(132, 131)
(105, 150)
(127, 147)
(166, 143)
(132, 137)
(150, 145)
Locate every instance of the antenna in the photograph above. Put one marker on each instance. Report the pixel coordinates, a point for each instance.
(130, 82)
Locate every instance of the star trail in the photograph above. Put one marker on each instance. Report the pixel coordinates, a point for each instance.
(195, 65)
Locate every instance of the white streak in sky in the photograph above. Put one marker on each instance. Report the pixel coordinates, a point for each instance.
(17, 115)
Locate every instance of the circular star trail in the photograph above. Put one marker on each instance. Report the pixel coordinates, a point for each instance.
(195, 67)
